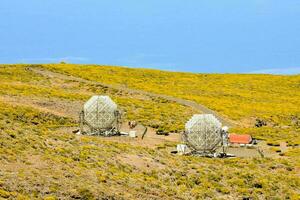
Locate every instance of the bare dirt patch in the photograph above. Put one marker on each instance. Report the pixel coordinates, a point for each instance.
(150, 140)
(140, 161)
(55, 106)
(243, 152)
(32, 161)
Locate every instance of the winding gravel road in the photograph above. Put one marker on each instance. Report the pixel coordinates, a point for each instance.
(192, 104)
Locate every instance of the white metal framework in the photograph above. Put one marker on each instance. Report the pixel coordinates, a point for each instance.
(203, 133)
(100, 116)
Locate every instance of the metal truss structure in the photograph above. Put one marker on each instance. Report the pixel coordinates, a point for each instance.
(100, 116)
(203, 134)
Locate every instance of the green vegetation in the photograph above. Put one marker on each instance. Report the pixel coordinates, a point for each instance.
(19, 81)
(236, 96)
(39, 163)
(41, 159)
(242, 97)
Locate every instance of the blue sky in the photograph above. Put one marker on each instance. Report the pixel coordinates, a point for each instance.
(232, 36)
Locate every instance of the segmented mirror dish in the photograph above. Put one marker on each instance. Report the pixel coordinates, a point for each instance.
(100, 112)
(203, 132)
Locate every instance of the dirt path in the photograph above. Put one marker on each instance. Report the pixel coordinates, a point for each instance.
(54, 106)
(194, 105)
(71, 109)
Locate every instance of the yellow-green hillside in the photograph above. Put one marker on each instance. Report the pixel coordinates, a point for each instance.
(38, 162)
(241, 97)
(19, 82)
(238, 96)
(40, 157)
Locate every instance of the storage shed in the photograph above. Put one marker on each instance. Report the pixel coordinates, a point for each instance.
(239, 139)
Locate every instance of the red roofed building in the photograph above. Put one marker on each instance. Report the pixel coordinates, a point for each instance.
(239, 139)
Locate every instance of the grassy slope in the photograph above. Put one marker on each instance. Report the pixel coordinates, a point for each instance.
(154, 112)
(39, 161)
(244, 98)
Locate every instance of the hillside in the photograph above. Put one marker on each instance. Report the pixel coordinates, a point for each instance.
(41, 158)
(243, 98)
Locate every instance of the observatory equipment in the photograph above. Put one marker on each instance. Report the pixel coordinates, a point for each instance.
(203, 134)
(100, 116)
